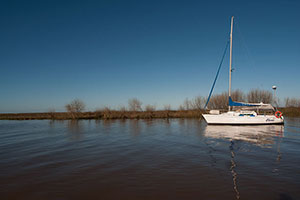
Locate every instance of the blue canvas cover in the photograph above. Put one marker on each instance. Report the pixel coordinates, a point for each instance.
(232, 103)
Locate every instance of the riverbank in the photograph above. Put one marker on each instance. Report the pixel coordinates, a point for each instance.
(108, 114)
(103, 115)
(290, 112)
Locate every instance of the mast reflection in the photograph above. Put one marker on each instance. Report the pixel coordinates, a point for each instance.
(233, 171)
(262, 136)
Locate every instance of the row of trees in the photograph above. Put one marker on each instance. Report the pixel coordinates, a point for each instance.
(134, 104)
(218, 101)
(292, 102)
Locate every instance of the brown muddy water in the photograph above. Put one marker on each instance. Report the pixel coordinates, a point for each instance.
(148, 159)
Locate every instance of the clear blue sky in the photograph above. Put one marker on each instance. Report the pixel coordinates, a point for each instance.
(161, 52)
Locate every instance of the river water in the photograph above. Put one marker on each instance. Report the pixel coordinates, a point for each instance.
(148, 159)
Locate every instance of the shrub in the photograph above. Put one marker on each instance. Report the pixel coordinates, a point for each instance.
(150, 107)
(75, 106)
(257, 96)
(134, 104)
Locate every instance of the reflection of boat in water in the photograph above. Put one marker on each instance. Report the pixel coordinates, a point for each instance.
(259, 135)
(262, 136)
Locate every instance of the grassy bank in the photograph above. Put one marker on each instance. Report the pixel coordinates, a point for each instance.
(290, 112)
(108, 114)
(104, 115)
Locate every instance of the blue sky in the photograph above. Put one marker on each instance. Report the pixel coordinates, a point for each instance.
(161, 52)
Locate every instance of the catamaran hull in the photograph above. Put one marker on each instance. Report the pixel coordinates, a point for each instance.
(224, 119)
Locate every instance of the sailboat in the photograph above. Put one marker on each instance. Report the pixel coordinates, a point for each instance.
(244, 113)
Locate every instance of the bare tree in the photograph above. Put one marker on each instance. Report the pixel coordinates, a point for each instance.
(75, 106)
(187, 104)
(106, 109)
(198, 103)
(218, 101)
(238, 95)
(257, 96)
(292, 102)
(122, 108)
(134, 104)
(287, 102)
(51, 112)
(167, 107)
(150, 107)
(181, 108)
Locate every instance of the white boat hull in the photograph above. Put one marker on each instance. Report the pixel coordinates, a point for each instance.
(231, 118)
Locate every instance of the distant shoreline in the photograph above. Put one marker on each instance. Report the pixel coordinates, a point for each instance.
(102, 115)
(113, 114)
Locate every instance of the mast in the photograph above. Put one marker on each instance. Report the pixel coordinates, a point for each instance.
(230, 60)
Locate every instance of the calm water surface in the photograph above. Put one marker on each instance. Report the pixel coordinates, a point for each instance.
(148, 159)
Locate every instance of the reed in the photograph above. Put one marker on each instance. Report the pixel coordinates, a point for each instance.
(121, 114)
(105, 114)
(290, 111)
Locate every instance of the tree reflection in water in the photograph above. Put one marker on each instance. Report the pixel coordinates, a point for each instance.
(75, 128)
(107, 125)
(134, 127)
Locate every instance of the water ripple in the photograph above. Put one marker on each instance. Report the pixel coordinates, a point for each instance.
(148, 159)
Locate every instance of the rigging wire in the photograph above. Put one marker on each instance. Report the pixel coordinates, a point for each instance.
(246, 49)
(212, 88)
